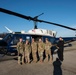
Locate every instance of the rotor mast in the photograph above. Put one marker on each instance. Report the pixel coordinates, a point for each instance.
(35, 20)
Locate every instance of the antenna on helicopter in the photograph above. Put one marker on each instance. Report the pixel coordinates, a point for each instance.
(35, 20)
(9, 30)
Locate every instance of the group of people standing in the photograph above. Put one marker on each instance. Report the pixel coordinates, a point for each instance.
(35, 49)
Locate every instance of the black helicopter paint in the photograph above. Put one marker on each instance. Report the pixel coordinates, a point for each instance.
(8, 43)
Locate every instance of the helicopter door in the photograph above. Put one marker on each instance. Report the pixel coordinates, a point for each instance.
(13, 43)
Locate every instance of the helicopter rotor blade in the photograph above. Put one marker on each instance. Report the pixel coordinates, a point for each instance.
(15, 14)
(30, 18)
(57, 25)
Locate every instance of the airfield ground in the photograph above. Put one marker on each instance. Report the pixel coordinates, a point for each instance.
(9, 66)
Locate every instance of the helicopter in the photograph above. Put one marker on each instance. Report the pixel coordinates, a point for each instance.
(9, 42)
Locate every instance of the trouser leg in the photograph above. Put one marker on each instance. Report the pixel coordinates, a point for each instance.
(34, 57)
(19, 59)
(23, 59)
(41, 57)
(61, 56)
(46, 59)
(28, 58)
(50, 55)
(46, 54)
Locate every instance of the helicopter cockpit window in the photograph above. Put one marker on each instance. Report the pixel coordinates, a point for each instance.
(15, 40)
(8, 37)
(28, 38)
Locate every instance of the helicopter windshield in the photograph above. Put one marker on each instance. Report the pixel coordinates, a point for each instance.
(8, 37)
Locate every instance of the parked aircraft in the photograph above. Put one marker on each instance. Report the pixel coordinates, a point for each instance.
(9, 42)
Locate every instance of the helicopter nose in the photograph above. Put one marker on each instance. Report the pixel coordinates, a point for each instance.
(3, 43)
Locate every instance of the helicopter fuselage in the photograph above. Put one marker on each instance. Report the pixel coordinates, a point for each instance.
(11, 39)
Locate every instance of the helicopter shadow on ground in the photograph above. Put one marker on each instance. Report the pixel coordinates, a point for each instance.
(7, 57)
(57, 67)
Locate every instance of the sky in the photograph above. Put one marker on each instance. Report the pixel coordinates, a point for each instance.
(57, 11)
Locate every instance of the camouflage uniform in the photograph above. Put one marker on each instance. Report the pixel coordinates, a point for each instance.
(34, 51)
(27, 51)
(48, 46)
(20, 49)
(40, 50)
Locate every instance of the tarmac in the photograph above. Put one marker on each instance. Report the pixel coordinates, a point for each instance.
(9, 66)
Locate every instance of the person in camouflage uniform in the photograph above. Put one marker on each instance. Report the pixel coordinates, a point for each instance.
(48, 46)
(34, 50)
(27, 51)
(20, 49)
(40, 50)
